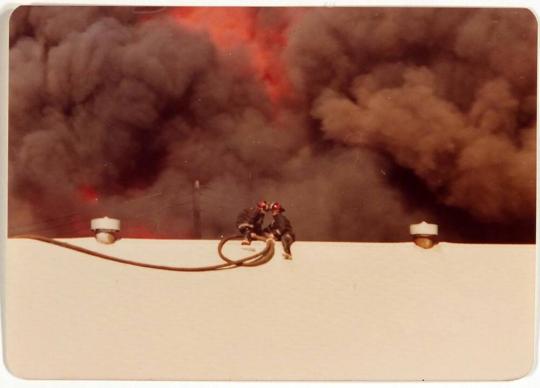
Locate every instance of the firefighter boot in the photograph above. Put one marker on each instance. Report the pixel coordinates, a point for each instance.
(287, 256)
(247, 238)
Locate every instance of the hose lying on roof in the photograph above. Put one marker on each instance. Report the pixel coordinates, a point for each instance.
(259, 258)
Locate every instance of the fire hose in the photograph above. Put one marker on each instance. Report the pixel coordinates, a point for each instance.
(256, 259)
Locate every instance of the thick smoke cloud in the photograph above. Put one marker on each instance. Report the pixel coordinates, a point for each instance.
(387, 117)
(448, 94)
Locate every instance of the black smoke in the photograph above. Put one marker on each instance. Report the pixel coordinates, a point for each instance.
(394, 116)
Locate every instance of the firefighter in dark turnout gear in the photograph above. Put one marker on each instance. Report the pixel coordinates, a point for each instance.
(281, 229)
(250, 221)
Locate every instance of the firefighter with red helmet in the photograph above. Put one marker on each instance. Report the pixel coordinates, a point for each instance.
(250, 221)
(281, 229)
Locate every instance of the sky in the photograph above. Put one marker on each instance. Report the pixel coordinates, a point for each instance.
(360, 121)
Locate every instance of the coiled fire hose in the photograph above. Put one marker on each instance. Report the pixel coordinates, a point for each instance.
(259, 258)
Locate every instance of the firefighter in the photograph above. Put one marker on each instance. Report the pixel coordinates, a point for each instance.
(281, 229)
(250, 221)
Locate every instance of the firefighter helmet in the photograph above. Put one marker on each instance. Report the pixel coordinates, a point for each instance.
(263, 205)
(276, 206)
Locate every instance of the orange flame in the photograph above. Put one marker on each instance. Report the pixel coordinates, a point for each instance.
(230, 28)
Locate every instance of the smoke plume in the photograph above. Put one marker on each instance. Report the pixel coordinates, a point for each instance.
(359, 121)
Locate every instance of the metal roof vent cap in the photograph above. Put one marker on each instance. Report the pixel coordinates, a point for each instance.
(424, 235)
(105, 229)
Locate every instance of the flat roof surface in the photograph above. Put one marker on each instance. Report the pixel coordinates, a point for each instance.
(338, 311)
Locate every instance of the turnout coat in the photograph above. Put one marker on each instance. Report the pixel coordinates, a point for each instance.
(252, 219)
(280, 226)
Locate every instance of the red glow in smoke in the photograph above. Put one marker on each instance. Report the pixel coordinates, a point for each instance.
(87, 194)
(231, 28)
(138, 231)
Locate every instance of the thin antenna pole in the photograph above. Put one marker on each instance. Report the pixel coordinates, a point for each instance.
(197, 209)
